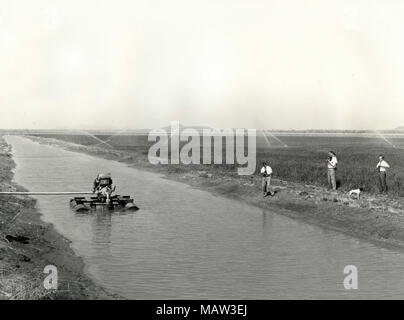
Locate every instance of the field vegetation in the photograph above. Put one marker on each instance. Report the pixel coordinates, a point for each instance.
(299, 158)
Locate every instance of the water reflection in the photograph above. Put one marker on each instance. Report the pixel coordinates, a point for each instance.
(267, 222)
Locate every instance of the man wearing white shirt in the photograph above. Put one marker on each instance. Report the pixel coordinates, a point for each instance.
(266, 173)
(382, 167)
(332, 163)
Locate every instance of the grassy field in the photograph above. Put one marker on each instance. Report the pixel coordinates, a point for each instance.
(303, 160)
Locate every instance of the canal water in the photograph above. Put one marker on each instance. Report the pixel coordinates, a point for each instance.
(185, 243)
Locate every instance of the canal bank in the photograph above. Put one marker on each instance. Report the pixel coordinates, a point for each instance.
(28, 245)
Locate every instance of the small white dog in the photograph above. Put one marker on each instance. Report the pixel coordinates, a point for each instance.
(356, 192)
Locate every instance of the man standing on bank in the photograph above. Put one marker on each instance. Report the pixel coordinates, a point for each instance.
(332, 163)
(266, 173)
(382, 167)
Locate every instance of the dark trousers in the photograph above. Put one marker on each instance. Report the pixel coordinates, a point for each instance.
(382, 181)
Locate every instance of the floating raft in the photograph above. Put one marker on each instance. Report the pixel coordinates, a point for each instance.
(82, 204)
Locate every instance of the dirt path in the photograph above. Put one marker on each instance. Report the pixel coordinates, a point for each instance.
(27, 245)
(374, 218)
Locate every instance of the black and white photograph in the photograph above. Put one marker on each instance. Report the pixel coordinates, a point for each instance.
(218, 152)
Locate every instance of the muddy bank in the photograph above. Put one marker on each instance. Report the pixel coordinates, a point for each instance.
(373, 217)
(27, 245)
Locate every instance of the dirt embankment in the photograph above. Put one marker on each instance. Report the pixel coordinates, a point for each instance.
(373, 217)
(28, 245)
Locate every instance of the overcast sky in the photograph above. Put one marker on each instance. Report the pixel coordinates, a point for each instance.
(291, 64)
